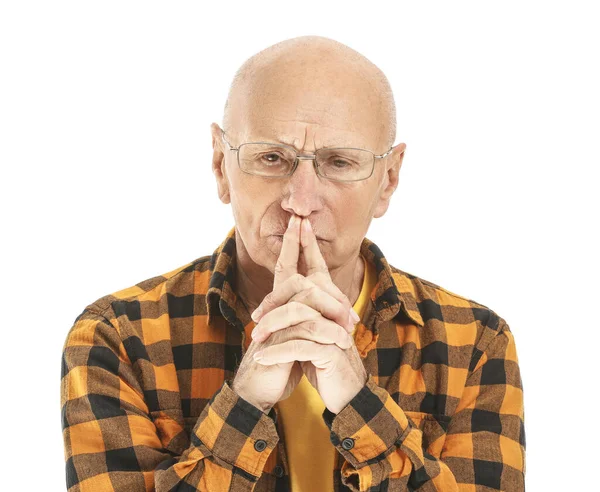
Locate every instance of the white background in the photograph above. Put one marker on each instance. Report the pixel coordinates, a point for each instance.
(105, 152)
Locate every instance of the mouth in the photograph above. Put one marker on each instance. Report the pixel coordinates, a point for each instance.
(279, 237)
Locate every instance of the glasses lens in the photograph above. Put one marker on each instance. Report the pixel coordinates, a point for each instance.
(345, 164)
(266, 159)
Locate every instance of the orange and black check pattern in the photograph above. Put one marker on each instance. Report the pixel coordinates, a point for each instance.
(147, 404)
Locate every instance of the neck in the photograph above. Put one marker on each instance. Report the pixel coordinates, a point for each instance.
(253, 282)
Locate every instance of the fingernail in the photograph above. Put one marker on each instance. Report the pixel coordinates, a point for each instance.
(254, 334)
(291, 221)
(258, 356)
(354, 315)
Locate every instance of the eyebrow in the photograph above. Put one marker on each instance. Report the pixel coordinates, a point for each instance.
(283, 141)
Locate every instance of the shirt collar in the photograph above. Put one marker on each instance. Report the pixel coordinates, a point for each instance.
(393, 292)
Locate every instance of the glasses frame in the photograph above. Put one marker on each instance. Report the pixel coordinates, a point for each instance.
(305, 156)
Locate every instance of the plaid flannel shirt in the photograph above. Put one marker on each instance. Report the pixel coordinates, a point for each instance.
(147, 404)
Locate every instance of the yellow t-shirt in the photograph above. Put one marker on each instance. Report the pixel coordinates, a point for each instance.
(310, 452)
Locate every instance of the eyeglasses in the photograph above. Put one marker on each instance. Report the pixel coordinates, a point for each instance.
(274, 160)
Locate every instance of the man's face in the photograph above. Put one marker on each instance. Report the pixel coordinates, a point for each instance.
(331, 109)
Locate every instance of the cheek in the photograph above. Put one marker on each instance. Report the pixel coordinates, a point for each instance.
(353, 218)
(354, 208)
(251, 203)
(246, 198)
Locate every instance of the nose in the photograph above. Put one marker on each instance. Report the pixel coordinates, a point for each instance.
(303, 189)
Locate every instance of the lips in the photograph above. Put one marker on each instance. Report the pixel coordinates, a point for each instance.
(280, 236)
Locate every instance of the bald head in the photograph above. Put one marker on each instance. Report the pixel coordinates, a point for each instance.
(304, 75)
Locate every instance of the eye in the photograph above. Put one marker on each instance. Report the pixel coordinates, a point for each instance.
(340, 163)
(272, 157)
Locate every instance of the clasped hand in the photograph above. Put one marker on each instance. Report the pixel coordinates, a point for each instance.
(318, 318)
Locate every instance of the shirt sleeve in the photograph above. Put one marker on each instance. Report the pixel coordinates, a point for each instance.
(484, 448)
(111, 441)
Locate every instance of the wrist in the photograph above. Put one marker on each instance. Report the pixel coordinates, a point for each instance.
(244, 397)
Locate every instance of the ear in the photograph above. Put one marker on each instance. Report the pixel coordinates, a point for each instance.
(218, 163)
(390, 180)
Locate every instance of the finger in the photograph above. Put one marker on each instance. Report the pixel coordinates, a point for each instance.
(287, 315)
(310, 249)
(317, 266)
(309, 370)
(300, 289)
(324, 282)
(296, 350)
(325, 332)
(287, 262)
(321, 330)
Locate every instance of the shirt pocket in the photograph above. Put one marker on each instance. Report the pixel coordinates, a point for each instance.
(433, 428)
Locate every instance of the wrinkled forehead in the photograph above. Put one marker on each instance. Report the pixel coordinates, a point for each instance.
(310, 117)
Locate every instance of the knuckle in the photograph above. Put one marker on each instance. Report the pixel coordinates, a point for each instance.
(277, 337)
(268, 299)
(311, 327)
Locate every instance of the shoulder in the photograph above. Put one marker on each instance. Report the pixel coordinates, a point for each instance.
(456, 317)
(180, 283)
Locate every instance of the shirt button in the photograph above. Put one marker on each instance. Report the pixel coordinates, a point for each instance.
(348, 443)
(278, 471)
(260, 445)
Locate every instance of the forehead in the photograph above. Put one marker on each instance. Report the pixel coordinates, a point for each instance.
(296, 135)
(311, 117)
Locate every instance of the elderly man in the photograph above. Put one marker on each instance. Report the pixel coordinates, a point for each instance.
(295, 356)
